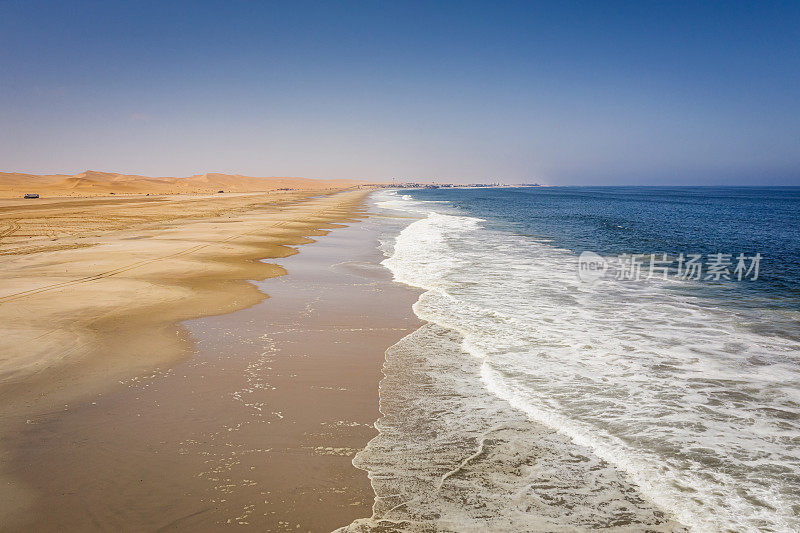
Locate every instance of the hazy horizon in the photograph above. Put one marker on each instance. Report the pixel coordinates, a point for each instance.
(558, 93)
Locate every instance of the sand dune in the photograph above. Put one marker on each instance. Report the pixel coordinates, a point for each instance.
(92, 183)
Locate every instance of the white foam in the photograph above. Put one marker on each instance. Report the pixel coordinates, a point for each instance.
(700, 413)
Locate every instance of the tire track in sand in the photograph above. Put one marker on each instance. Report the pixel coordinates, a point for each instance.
(13, 227)
(115, 271)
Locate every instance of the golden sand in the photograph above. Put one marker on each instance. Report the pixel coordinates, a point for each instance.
(93, 289)
(256, 430)
(82, 275)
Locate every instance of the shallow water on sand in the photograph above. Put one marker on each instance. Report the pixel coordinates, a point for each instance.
(256, 431)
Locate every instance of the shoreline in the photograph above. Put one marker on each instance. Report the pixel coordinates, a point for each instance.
(304, 410)
(483, 461)
(183, 287)
(65, 309)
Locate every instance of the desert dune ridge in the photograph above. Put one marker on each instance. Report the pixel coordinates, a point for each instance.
(93, 183)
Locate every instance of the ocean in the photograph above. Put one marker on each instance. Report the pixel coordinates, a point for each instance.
(659, 392)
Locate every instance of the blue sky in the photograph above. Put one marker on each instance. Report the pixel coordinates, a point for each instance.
(558, 92)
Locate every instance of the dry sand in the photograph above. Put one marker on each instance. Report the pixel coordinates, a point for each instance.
(91, 297)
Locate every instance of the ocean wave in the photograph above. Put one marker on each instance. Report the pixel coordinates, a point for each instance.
(700, 414)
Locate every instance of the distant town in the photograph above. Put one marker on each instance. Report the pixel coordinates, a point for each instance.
(417, 185)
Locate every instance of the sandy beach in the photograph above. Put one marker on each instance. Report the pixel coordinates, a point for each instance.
(121, 409)
(104, 298)
(407, 267)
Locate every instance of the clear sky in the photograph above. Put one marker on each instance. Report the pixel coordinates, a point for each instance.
(560, 92)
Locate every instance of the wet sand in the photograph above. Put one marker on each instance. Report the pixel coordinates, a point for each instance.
(256, 430)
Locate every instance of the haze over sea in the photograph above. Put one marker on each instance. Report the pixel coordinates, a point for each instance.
(688, 390)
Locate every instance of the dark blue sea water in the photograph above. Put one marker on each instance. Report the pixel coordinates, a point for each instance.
(677, 397)
(654, 220)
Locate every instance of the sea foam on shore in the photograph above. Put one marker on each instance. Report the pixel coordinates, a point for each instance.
(532, 401)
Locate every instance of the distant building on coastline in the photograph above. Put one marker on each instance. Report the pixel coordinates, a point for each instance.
(418, 185)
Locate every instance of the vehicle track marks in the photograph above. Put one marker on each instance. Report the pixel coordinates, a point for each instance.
(13, 227)
(126, 268)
